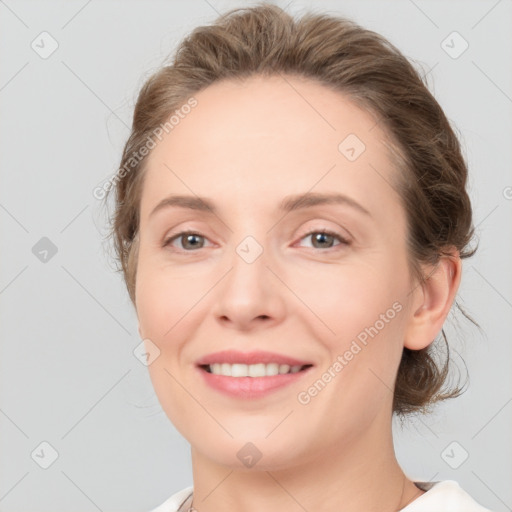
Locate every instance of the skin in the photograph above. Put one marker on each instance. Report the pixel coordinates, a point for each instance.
(246, 146)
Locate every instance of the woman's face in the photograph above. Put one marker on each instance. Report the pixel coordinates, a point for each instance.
(258, 276)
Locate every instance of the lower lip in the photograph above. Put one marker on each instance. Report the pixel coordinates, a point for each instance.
(250, 387)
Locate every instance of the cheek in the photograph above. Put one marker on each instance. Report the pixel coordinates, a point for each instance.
(166, 316)
(171, 307)
(163, 298)
(344, 300)
(359, 320)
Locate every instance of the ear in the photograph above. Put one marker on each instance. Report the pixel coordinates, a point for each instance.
(432, 300)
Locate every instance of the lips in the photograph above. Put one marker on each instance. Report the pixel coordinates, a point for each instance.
(250, 374)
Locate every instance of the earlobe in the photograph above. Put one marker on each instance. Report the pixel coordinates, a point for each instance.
(435, 298)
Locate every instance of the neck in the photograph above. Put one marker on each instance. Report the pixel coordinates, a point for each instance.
(362, 474)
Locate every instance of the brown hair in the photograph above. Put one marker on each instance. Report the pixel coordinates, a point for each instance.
(359, 63)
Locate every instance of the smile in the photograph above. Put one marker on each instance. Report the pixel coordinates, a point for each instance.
(252, 370)
(250, 375)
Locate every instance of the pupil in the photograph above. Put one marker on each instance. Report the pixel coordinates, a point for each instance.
(190, 238)
(320, 237)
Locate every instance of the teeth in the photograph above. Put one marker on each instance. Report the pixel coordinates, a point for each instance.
(284, 368)
(239, 370)
(252, 370)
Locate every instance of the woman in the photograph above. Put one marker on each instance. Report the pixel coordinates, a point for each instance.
(291, 217)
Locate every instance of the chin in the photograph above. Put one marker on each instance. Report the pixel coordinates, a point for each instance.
(253, 453)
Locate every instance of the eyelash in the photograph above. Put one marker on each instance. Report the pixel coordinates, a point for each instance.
(327, 232)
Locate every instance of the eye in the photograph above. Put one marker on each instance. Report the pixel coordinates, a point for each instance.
(324, 239)
(190, 240)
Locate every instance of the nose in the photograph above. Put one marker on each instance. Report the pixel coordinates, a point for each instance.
(250, 296)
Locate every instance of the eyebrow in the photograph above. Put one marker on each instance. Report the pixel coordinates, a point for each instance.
(288, 204)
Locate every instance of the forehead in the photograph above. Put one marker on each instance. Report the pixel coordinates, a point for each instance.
(259, 139)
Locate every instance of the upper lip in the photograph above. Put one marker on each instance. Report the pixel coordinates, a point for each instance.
(255, 357)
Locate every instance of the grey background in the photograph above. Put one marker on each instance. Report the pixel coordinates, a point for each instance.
(68, 373)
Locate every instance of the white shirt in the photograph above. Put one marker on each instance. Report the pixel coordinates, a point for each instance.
(442, 496)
